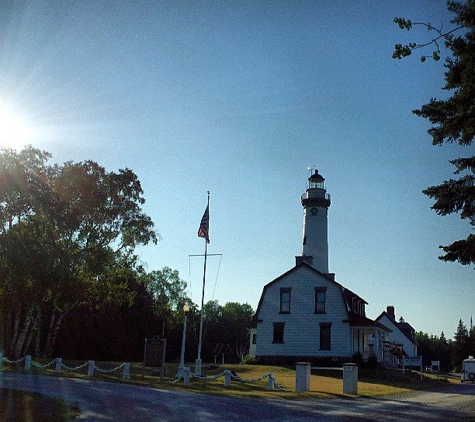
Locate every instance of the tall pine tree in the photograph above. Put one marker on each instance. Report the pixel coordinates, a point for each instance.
(453, 119)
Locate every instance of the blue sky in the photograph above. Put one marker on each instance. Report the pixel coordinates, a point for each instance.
(240, 98)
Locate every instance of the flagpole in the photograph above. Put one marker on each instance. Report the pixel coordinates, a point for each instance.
(198, 360)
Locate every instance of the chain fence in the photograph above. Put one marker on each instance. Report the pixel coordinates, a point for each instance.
(184, 375)
(229, 375)
(59, 365)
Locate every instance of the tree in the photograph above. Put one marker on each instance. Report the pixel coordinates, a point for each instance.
(226, 329)
(444, 352)
(238, 316)
(168, 291)
(67, 237)
(463, 346)
(452, 119)
(87, 334)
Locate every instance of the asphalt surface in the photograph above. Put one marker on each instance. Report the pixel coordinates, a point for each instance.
(105, 401)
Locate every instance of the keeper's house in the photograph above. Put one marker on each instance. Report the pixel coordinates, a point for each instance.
(305, 314)
(402, 339)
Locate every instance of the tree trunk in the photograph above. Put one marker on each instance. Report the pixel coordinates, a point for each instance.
(50, 333)
(13, 338)
(7, 331)
(55, 323)
(33, 329)
(22, 337)
(39, 318)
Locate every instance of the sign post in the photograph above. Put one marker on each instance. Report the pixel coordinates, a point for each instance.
(412, 361)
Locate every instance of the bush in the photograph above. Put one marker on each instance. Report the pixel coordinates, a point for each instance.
(372, 362)
(357, 358)
(250, 360)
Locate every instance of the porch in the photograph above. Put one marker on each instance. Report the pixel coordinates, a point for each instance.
(369, 341)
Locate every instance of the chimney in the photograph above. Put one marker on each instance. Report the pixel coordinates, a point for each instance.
(303, 258)
(390, 311)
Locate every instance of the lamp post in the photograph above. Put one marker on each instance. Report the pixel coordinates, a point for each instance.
(181, 367)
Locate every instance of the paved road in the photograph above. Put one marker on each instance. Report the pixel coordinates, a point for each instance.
(104, 401)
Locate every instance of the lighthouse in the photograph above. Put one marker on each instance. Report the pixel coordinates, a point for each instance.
(315, 202)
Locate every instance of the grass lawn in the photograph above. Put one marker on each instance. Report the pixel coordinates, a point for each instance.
(323, 384)
(21, 406)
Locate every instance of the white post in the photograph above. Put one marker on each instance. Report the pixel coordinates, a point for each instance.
(90, 368)
(302, 376)
(27, 362)
(126, 373)
(227, 377)
(350, 378)
(198, 366)
(186, 375)
(270, 382)
(183, 342)
(59, 363)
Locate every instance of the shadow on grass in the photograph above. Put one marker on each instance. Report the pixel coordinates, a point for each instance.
(22, 406)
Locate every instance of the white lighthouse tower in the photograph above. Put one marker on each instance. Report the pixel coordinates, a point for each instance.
(315, 202)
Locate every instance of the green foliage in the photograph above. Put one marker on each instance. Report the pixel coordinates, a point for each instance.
(450, 353)
(168, 290)
(403, 23)
(464, 345)
(435, 348)
(249, 360)
(67, 237)
(401, 51)
(226, 330)
(452, 119)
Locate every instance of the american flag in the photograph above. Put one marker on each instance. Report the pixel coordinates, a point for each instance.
(203, 231)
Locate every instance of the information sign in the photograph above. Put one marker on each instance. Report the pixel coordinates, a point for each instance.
(412, 360)
(154, 353)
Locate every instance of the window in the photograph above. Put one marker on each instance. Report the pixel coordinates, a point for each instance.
(361, 308)
(320, 299)
(278, 332)
(254, 339)
(325, 336)
(285, 301)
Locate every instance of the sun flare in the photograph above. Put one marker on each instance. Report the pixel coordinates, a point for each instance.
(14, 131)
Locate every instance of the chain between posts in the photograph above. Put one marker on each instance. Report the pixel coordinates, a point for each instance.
(14, 362)
(234, 377)
(270, 376)
(59, 364)
(126, 366)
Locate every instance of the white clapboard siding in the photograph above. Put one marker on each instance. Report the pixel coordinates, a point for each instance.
(302, 325)
(398, 336)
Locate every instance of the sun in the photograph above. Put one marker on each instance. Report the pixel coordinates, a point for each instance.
(14, 130)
